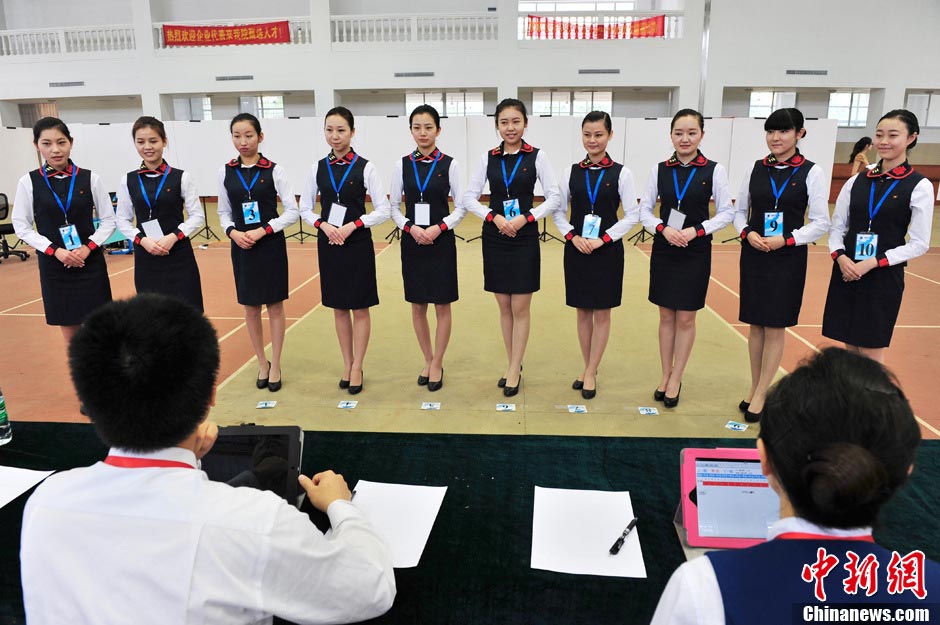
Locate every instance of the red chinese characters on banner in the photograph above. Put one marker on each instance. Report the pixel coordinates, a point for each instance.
(649, 27)
(539, 27)
(241, 35)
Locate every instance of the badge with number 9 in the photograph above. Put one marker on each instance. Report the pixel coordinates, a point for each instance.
(773, 224)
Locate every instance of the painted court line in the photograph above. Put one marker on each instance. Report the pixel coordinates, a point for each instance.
(911, 273)
(39, 299)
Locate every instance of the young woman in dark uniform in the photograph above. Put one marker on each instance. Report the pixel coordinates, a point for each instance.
(429, 254)
(249, 187)
(593, 248)
(511, 260)
(874, 212)
(344, 239)
(681, 260)
(54, 211)
(156, 194)
(776, 194)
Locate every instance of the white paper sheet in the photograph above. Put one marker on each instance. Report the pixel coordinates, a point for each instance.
(402, 514)
(573, 530)
(14, 482)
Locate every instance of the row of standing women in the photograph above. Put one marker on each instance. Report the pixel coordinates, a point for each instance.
(781, 207)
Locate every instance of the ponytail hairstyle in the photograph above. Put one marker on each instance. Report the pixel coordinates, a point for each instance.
(840, 436)
(909, 119)
(860, 146)
(785, 119)
(596, 116)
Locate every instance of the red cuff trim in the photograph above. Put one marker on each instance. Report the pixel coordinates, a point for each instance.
(92, 245)
(443, 227)
(358, 223)
(660, 227)
(529, 218)
(883, 262)
(269, 230)
(407, 227)
(791, 242)
(569, 235)
(835, 255)
(606, 238)
(489, 217)
(137, 240)
(700, 231)
(317, 223)
(49, 251)
(745, 232)
(180, 235)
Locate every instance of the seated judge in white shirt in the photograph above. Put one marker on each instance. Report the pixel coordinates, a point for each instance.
(837, 439)
(144, 537)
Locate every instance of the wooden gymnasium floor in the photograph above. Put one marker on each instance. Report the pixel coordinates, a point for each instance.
(35, 381)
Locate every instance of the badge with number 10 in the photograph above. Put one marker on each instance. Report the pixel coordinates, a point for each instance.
(866, 245)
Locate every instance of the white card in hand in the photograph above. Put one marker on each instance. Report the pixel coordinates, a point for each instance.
(422, 214)
(337, 215)
(676, 220)
(152, 229)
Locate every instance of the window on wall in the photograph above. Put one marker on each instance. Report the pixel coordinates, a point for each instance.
(207, 108)
(568, 103)
(270, 106)
(850, 109)
(763, 103)
(452, 104)
(926, 106)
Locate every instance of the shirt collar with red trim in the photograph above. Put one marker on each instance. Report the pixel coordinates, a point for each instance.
(421, 158)
(170, 454)
(794, 161)
(606, 162)
(263, 163)
(797, 525)
(901, 171)
(346, 160)
(698, 161)
(146, 170)
(498, 150)
(52, 171)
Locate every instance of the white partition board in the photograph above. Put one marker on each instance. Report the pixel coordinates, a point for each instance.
(108, 150)
(201, 148)
(647, 144)
(716, 142)
(19, 157)
(294, 144)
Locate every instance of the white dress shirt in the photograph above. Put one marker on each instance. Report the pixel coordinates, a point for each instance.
(543, 171)
(284, 192)
(109, 545)
(818, 203)
(396, 194)
(693, 597)
(918, 232)
(24, 223)
(721, 191)
(195, 215)
(381, 210)
(616, 231)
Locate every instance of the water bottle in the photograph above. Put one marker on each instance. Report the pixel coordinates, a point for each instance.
(6, 430)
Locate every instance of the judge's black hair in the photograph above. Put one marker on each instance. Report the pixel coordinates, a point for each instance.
(145, 369)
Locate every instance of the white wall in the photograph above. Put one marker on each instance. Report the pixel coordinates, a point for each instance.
(23, 14)
(184, 10)
(384, 7)
(365, 103)
(93, 110)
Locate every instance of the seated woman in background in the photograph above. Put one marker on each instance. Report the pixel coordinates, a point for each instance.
(859, 158)
(837, 440)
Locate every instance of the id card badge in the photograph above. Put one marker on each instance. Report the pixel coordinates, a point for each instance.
(676, 219)
(337, 215)
(422, 214)
(773, 224)
(251, 213)
(511, 208)
(866, 245)
(592, 227)
(70, 237)
(152, 229)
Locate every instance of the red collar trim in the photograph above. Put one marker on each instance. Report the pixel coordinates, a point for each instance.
(263, 163)
(498, 150)
(794, 161)
(698, 161)
(867, 538)
(606, 162)
(418, 157)
(126, 462)
(346, 160)
(159, 170)
(901, 171)
(68, 171)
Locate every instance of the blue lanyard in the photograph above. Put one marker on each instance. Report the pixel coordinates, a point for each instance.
(160, 188)
(773, 184)
(68, 202)
(592, 196)
(872, 208)
(675, 181)
(247, 186)
(508, 181)
(421, 187)
(345, 176)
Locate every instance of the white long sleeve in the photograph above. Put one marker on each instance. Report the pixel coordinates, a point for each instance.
(724, 209)
(817, 203)
(381, 210)
(396, 196)
(195, 215)
(648, 201)
(560, 216)
(284, 191)
(552, 203)
(308, 198)
(471, 198)
(125, 211)
(631, 210)
(224, 207)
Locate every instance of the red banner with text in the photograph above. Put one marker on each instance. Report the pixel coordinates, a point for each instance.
(540, 27)
(239, 35)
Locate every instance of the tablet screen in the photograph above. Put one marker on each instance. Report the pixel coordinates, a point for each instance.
(734, 499)
(256, 458)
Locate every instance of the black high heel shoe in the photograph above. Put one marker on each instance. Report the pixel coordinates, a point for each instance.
(357, 388)
(672, 402)
(435, 385)
(274, 386)
(343, 384)
(752, 417)
(502, 381)
(510, 391)
(577, 385)
(744, 405)
(659, 395)
(263, 382)
(423, 380)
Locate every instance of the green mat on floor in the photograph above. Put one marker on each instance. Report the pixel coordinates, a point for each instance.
(475, 568)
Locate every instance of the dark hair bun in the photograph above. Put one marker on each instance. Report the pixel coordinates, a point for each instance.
(847, 484)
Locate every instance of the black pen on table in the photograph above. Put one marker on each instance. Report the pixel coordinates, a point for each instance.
(615, 548)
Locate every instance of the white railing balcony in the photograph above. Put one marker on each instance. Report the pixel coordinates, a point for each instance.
(45, 41)
(556, 26)
(356, 30)
(299, 30)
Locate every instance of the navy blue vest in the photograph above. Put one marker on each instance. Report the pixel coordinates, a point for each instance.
(894, 217)
(696, 198)
(522, 187)
(793, 201)
(168, 208)
(263, 192)
(608, 196)
(352, 194)
(49, 217)
(435, 193)
(764, 584)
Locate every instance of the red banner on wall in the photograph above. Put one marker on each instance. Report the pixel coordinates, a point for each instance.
(649, 27)
(539, 27)
(239, 35)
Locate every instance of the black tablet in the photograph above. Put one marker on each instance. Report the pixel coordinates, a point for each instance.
(258, 456)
